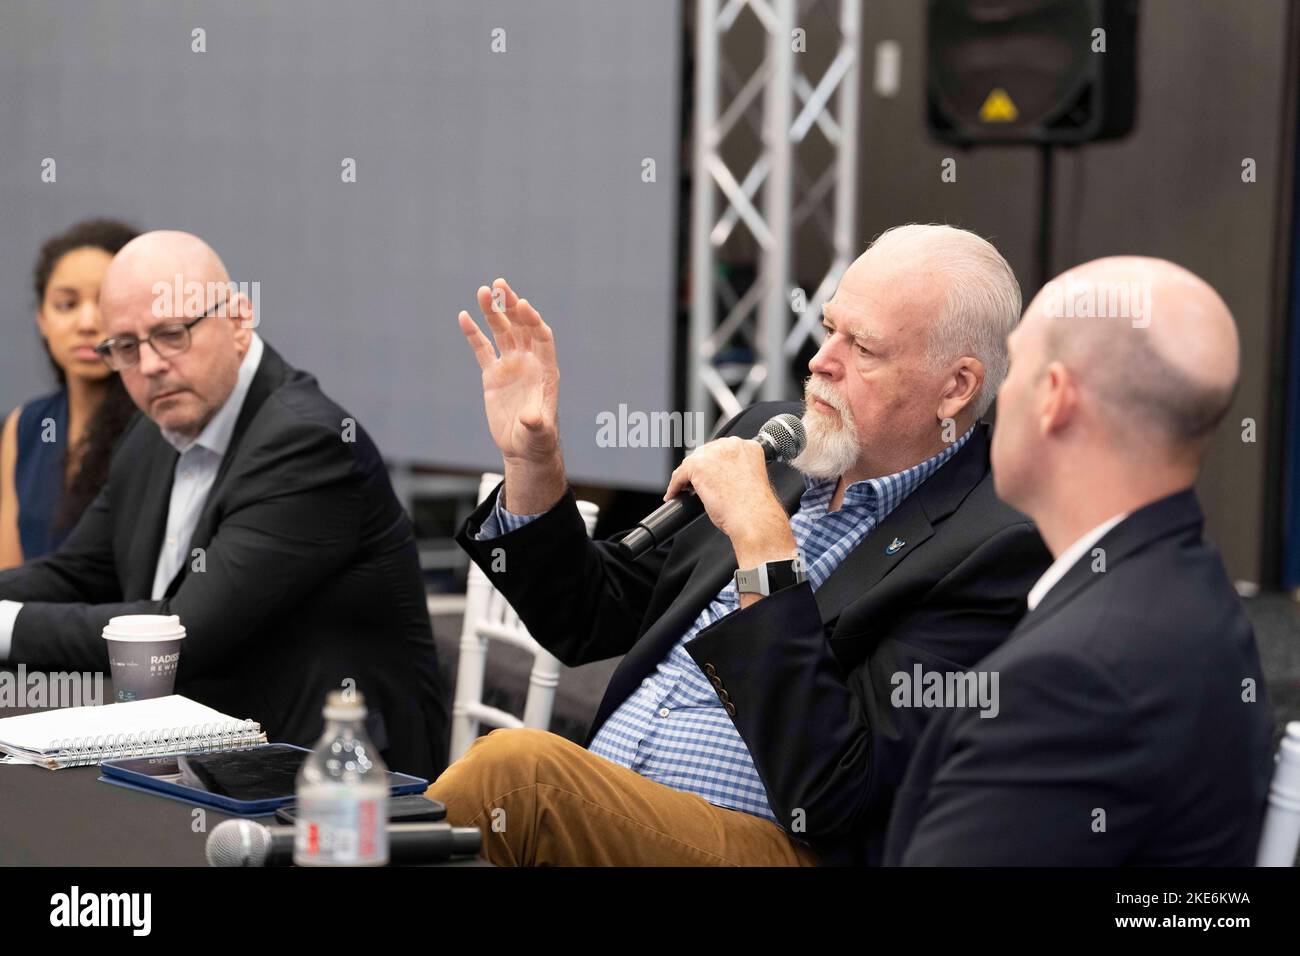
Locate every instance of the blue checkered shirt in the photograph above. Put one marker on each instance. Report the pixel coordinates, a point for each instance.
(673, 728)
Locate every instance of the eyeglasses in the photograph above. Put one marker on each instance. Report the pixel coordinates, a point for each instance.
(167, 340)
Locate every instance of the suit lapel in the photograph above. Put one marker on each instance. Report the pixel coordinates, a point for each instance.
(905, 528)
(1176, 513)
(270, 373)
(160, 468)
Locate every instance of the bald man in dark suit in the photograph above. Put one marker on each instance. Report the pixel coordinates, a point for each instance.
(1132, 726)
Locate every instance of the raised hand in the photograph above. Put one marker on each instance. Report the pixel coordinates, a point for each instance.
(520, 394)
(521, 385)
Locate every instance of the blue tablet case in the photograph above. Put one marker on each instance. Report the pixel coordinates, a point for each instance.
(119, 776)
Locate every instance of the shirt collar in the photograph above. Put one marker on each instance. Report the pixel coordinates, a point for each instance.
(216, 435)
(880, 494)
(1067, 560)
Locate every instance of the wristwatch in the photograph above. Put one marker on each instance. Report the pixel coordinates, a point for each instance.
(770, 577)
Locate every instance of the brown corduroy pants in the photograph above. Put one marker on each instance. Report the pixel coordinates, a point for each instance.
(542, 800)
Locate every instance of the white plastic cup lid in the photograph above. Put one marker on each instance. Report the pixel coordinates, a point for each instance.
(144, 627)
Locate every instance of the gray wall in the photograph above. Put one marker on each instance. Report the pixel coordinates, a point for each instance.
(470, 164)
(1210, 76)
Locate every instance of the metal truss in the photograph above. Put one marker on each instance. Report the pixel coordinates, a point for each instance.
(745, 354)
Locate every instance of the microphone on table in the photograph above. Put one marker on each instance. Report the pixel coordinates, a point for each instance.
(249, 843)
(782, 437)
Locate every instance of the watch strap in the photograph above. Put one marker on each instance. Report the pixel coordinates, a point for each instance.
(770, 577)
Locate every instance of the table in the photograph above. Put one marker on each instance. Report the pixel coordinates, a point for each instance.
(68, 818)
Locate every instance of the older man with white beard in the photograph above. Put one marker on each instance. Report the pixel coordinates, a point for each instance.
(768, 723)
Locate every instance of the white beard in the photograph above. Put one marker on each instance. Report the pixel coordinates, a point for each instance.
(832, 447)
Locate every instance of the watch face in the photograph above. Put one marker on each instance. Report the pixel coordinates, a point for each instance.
(776, 575)
(780, 574)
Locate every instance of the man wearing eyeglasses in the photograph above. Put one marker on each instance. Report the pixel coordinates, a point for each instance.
(249, 504)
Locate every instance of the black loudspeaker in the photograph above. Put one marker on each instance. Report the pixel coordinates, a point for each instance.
(1027, 71)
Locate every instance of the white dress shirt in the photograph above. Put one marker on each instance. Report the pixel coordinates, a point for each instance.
(1068, 558)
(195, 472)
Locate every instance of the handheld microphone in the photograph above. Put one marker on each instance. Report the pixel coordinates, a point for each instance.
(249, 843)
(782, 438)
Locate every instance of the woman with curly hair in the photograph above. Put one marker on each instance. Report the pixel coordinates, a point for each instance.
(55, 449)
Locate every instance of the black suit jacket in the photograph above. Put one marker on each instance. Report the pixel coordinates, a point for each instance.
(309, 576)
(807, 675)
(1122, 692)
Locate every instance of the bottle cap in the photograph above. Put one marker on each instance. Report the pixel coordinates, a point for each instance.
(345, 705)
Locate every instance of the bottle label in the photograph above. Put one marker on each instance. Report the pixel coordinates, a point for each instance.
(340, 831)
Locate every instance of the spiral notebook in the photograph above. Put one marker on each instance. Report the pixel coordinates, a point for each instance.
(77, 736)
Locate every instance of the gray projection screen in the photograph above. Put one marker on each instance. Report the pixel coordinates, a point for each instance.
(470, 164)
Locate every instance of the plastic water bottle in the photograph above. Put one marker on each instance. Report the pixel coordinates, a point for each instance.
(342, 792)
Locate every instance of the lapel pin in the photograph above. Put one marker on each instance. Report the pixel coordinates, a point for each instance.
(895, 546)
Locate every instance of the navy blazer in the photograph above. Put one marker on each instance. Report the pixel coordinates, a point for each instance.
(1133, 727)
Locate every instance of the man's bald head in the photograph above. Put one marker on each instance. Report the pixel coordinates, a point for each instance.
(1120, 370)
(159, 256)
(1153, 344)
(173, 283)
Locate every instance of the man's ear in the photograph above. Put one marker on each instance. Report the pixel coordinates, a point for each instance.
(1058, 400)
(964, 381)
(241, 314)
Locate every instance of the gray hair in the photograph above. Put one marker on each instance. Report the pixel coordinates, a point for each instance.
(983, 302)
